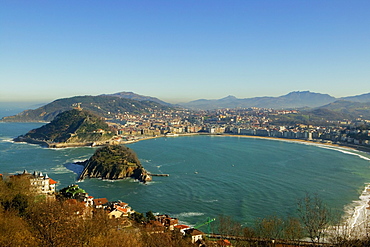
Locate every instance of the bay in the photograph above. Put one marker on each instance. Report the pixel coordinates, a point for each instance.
(246, 178)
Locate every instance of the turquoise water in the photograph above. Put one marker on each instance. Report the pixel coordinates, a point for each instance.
(245, 178)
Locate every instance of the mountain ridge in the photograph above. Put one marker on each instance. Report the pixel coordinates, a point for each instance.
(294, 99)
(103, 106)
(138, 97)
(108, 105)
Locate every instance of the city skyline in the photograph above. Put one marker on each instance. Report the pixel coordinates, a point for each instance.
(180, 51)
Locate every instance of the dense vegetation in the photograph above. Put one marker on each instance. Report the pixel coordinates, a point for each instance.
(113, 162)
(103, 106)
(72, 126)
(30, 220)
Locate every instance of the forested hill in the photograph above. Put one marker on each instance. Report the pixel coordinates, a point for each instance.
(73, 126)
(103, 106)
(114, 162)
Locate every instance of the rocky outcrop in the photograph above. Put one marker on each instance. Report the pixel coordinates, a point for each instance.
(114, 162)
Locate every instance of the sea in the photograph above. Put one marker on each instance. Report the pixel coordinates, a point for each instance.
(244, 178)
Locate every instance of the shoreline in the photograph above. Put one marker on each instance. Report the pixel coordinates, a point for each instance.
(350, 147)
(315, 143)
(353, 220)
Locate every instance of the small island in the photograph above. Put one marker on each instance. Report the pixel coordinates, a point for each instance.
(114, 162)
(71, 128)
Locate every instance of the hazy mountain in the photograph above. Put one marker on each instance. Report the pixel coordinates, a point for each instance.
(349, 109)
(138, 97)
(337, 111)
(358, 98)
(103, 106)
(291, 100)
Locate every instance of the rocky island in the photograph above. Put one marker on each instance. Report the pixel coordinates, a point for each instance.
(71, 128)
(114, 162)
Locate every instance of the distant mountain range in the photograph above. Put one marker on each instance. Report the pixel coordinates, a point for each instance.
(293, 100)
(109, 105)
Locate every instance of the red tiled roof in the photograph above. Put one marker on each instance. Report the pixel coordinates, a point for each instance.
(100, 201)
(121, 209)
(182, 226)
(194, 232)
(224, 242)
(51, 181)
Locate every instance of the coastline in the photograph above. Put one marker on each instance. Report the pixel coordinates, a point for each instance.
(341, 146)
(353, 220)
(357, 222)
(350, 147)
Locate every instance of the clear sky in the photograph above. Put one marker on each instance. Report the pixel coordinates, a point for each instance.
(183, 50)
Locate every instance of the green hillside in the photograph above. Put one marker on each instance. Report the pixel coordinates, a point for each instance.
(336, 111)
(104, 106)
(71, 126)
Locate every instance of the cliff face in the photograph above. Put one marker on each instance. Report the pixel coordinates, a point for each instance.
(114, 162)
(74, 126)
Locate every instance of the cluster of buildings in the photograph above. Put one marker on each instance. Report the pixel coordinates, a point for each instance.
(252, 121)
(42, 184)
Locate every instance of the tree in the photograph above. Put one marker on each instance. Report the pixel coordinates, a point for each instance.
(270, 227)
(293, 230)
(226, 226)
(138, 217)
(314, 216)
(150, 216)
(14, 231)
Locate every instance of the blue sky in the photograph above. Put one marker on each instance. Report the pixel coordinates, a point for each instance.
(183, 50)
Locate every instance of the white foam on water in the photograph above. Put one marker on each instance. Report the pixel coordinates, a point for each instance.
(188, 214)
(6, 140)
(339, 149)
(209, 201)
(357, 214)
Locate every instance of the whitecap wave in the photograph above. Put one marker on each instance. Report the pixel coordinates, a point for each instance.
(78, 160)
(6, 140)
(209, 201)
(188, 214)
(347, 151)
(145, 161)
(339, 149)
